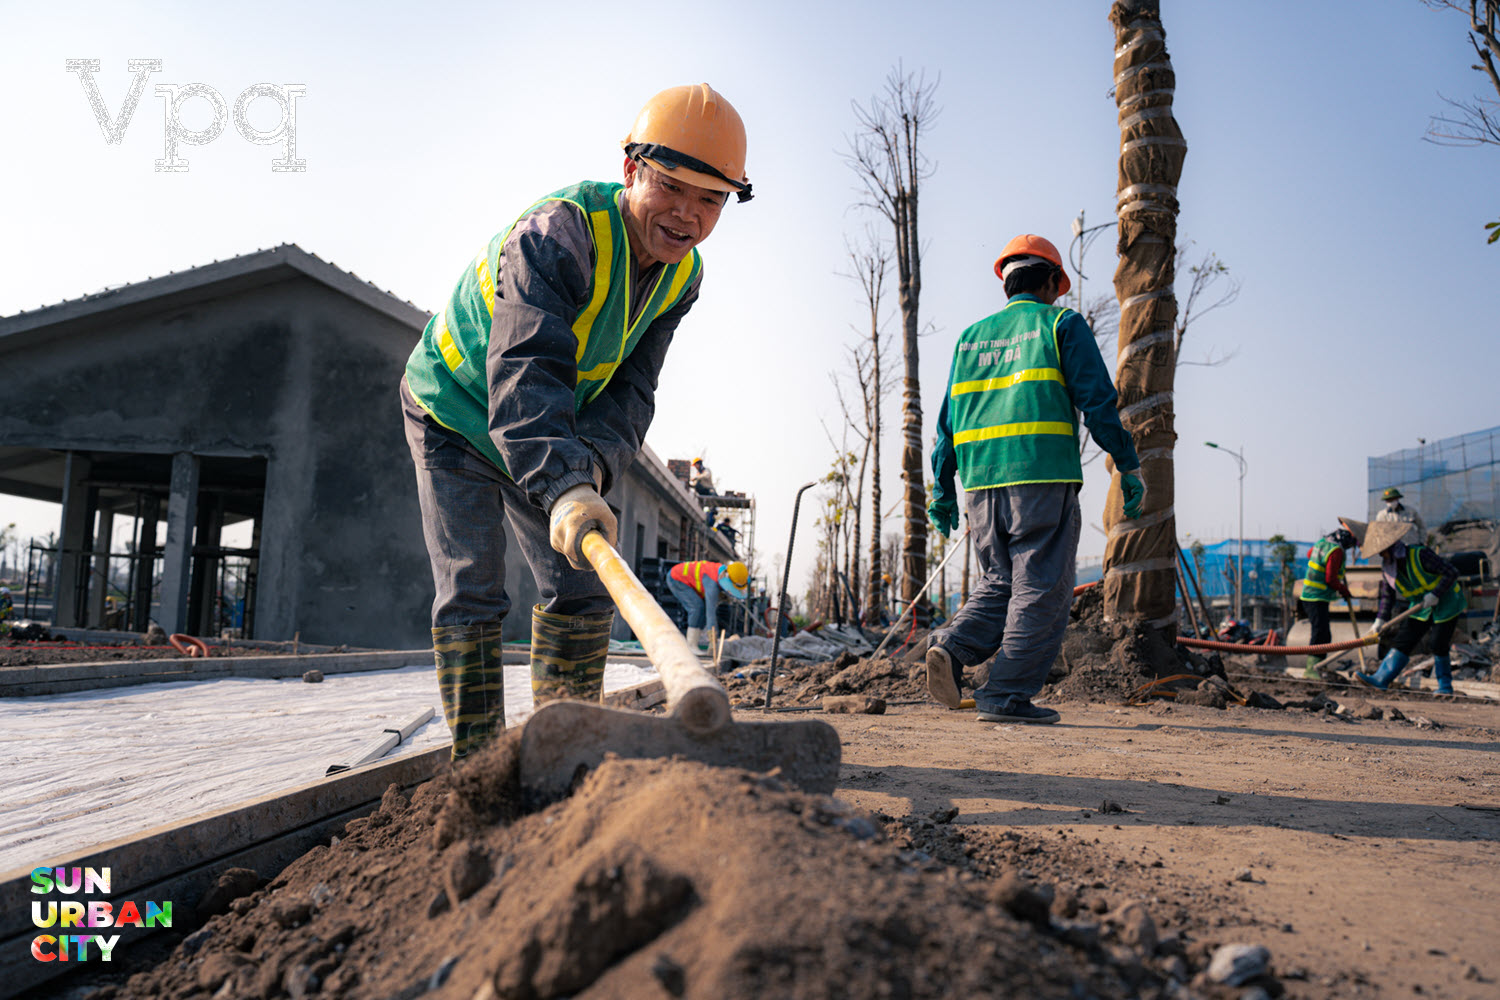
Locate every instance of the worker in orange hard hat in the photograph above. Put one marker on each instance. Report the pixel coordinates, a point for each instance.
(1008, 429)
(697, 586)
(530, 392)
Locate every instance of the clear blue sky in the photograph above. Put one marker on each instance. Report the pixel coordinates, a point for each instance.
(1368, 296)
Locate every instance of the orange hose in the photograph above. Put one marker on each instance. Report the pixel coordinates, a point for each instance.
(1245, 647)
(188, 645)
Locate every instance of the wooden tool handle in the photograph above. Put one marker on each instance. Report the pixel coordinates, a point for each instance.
(694, 697)
(1373, 639)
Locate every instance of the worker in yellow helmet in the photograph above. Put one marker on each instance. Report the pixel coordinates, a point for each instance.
(697, 586)
(531, 390)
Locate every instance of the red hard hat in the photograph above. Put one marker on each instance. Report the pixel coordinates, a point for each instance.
(1036, 246)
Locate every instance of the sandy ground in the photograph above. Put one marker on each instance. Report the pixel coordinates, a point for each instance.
(1369, 875)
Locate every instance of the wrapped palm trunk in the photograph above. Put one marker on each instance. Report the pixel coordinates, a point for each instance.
(1140, 556)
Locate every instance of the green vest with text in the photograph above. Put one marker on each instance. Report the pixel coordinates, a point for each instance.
(1013, 421)
(447, 369)
(1315, 584)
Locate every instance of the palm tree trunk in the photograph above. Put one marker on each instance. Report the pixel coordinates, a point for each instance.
(1140, 556)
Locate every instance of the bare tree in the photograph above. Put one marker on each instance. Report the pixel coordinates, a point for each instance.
(1140, 580)
(869, 264)
(1476, 121)
(885, 153)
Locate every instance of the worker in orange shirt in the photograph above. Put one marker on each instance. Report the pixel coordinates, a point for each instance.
(697, 586)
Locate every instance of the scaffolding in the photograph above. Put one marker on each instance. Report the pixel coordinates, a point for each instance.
(1448, 481)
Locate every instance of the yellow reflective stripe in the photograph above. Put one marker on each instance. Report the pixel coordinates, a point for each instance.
(486, 282)
(604, 247)
(679, 281)
(445, 343)
(1013, 430)
(1006, 381)
(597, 372)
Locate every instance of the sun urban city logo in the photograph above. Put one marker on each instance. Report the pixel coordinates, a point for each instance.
(176, 95)
(68, 913)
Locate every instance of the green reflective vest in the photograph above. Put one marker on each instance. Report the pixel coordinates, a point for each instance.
(1013, 421)
(447, 370)
(1314, 585)
(1413, 583)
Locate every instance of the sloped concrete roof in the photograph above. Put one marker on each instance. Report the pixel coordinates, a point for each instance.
(251, 270)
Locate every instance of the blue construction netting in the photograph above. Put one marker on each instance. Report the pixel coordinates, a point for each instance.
(1215, 565)
(1449, 480)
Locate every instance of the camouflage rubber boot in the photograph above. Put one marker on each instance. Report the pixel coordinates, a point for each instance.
(471, 682)
(567, 655)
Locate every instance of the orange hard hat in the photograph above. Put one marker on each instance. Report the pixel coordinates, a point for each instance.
(1029, 244)
(692, 133)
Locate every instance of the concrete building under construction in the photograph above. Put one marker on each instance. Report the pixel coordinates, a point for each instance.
(258, 389)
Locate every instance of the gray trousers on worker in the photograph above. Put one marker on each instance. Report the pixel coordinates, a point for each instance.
(466, 501)
(1026, 543)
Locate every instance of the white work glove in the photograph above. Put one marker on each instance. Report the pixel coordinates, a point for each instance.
(1379, 624)
(578, 511)
(1429, 600)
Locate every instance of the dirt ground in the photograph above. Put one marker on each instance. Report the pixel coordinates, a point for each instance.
(1125, 852)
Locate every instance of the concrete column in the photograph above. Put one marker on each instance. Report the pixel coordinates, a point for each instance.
(182, 514)
(72, 539)
(99, 580)
(204, 599)
(145, 559)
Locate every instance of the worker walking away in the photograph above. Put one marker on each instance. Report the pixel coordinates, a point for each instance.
(1324, 579)
(697, 586)
(1416, 574)
(1008, 427)
(530, 392)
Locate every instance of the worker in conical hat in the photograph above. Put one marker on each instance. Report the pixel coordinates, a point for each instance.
(530, 392)
(1415, 573)
(1323, 581)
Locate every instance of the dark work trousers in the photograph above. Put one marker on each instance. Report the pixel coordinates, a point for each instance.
(1409, 633)
(466, 503)
(1026, 543)
(1320, 620)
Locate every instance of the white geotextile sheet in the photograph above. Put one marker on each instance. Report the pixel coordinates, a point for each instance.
(82, 769)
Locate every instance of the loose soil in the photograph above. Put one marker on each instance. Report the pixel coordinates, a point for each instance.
(1110, 855)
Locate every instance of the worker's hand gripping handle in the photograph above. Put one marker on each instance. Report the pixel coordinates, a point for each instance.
(694, 697)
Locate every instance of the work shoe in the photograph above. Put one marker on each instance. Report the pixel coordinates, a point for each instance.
(940, 677)
(568, 654)
(1019, 710)
(471, 683)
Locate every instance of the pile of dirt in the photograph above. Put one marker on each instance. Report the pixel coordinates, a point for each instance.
(1104, 661)
(663, 878)
(802, 683)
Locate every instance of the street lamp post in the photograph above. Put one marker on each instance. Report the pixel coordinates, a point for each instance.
(1239, 572)
(1080, 231)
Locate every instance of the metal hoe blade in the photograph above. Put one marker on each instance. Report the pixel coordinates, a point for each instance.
(564, 739)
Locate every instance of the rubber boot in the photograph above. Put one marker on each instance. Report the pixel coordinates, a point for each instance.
(1442, 672)
(471, 683)
(568, 654)
(1310, 672)
(1395, 661)
(693, 636)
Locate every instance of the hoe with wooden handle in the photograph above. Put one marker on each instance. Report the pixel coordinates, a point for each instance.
(565, 739)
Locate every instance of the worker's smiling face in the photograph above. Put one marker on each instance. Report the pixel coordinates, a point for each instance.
(665, 217)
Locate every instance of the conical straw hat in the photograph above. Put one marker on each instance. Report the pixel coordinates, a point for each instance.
(1382, 535)
(1356, 528)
